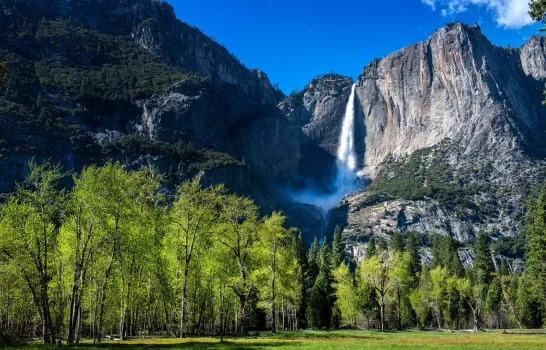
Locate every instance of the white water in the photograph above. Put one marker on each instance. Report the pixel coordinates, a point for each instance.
(346, 179)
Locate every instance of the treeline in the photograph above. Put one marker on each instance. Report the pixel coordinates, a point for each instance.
(392, 288)
(114, 256)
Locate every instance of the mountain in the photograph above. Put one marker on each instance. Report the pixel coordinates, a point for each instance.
(94, 80)
(454, 136)
(449, 132)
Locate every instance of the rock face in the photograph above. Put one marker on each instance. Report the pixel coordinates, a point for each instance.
(318, 111)
(454, 85)
(533, 57)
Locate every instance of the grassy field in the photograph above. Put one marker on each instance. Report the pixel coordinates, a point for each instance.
(335, 340)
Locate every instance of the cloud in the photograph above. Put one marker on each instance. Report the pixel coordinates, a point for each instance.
(512, 14)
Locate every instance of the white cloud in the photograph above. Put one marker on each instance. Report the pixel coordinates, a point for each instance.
(511, 14)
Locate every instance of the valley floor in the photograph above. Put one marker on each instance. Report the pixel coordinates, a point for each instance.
(334, 340)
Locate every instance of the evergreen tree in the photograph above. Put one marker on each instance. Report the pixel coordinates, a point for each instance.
(371, 248)
(302, 258)
(483, 264)
(338, 248)
(397, 242)
(3, 73)
(321, 299)
(493, 301)
(535, 254)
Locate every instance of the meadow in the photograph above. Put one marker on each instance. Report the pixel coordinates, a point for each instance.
(344, 339)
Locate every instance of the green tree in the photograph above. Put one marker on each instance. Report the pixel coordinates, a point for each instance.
(444, 254)
(537, 10)
(3, 73)
(377, 272)
(319, 310)
(421, 298)
(31, 220)
(438, 278)
(397, 242)
(493, 300)
(483, 267)
(371, 248)
(527, 306)
(402, 281)
(338, 248)
(347, 297)
(239, 217)
(305, 285)
(277, 265)
(192, 218)
(535, 253)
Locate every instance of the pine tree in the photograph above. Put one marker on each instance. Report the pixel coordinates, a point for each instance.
(483, 264)
(535, 254)
(371, 248)
(338, 248)
(321, 300)
(397, 242)
(303, 261)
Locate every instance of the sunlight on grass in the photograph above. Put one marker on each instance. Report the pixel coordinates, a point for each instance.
(334, 340)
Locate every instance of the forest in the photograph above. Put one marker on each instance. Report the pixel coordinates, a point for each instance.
(115, 255)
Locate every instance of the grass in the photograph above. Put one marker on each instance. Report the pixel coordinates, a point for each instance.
(334, 340)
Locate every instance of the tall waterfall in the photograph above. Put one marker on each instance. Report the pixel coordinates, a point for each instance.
(346, 177)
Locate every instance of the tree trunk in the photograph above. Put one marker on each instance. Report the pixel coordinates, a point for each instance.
(102, 303)
(75, 302)
(183, 306)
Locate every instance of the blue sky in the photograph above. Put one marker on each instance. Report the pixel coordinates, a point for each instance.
(296, 40)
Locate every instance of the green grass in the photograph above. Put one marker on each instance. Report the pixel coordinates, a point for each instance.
(336, 340)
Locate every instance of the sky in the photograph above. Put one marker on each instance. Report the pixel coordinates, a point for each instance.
(293, 41)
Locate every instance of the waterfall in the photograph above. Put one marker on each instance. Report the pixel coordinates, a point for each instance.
(346, 177)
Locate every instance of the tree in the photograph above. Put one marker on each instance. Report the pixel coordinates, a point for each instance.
(346, 295)
(276, 263)
(493, 300)
(3, 73)
(402, 281)
(31, 220)
(338, 248)
(376, 271)
(193, 217)
(483, 263)
(438, 278)
(319, 310)
(305, 285)
(371, 248)
(535, 253)
(537, 10)
(421, 298)
(444, 254)
(397, 242)
(81, 237)
(239, 218)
